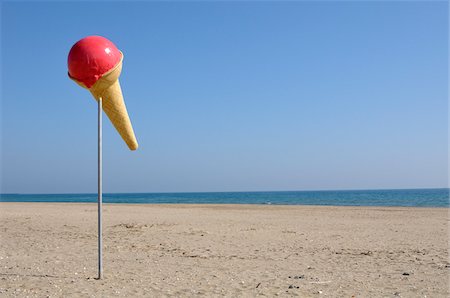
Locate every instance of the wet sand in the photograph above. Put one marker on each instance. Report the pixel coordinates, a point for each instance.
(50, 249)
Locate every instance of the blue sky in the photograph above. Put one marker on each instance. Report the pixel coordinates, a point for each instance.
(230, 96)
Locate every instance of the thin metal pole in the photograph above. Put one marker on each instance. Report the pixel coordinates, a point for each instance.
(100, 254)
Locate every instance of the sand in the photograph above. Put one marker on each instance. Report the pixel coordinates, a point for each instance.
(50, 249)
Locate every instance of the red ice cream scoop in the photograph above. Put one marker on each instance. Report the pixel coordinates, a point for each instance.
(90, 58)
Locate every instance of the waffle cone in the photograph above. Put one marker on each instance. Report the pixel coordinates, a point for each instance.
(108, 89)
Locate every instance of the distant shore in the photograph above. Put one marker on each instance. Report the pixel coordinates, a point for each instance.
(233, 250)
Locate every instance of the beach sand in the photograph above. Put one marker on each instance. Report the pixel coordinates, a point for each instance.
(50, 249)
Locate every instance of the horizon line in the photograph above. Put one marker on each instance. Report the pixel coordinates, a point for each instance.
(238, 191)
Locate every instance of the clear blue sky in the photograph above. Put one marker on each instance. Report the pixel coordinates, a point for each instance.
(230, 96)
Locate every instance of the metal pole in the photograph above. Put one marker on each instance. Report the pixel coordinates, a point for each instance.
(100, 255)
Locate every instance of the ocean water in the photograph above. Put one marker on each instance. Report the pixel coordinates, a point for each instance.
(403, 197)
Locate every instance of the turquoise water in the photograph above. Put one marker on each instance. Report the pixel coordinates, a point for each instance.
(403, 197)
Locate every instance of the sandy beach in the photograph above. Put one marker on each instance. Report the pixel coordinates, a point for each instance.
(50, 249)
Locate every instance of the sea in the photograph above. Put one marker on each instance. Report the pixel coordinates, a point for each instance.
(389, 197)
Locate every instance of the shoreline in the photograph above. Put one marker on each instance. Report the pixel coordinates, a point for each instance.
(197, 205)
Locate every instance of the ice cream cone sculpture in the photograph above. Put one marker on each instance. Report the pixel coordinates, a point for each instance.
(95, 63)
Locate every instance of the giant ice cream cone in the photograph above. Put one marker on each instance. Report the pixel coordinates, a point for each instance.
(95, 64)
